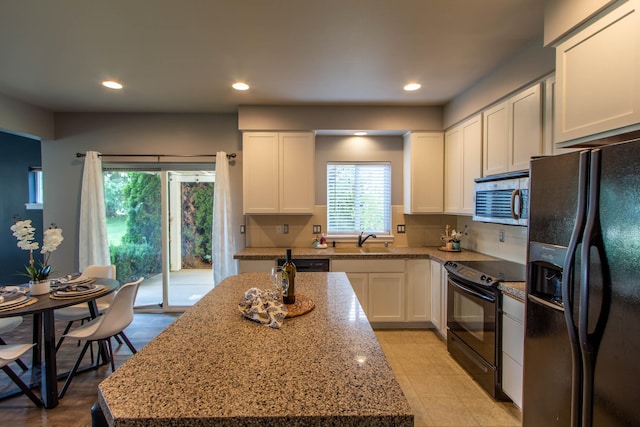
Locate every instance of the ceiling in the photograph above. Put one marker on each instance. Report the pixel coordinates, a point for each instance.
(182, 56)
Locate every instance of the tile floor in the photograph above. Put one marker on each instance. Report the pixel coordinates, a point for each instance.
(440, 392)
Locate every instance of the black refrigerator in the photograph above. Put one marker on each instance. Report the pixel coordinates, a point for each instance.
(582, 328)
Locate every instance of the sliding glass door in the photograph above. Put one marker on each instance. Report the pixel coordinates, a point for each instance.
(190, 215)
(159, 227)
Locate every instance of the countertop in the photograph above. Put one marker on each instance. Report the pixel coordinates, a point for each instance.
(515, 289)
(214, 367)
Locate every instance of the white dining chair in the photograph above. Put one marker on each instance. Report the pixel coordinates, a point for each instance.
(8, 324)
(102, 328)
(11, 353)
(80, 312)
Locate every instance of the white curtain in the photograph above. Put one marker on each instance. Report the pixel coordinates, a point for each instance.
(93, 243)
(223, 245)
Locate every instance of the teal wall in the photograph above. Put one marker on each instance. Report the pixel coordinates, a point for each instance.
(18, 153)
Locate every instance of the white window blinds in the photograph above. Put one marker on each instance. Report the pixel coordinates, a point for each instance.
(358, 198)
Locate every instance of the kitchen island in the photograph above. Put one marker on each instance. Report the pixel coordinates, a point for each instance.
(214, 367)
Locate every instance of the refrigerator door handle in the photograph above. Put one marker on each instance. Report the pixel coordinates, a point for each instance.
(586, 345)
(568, 291)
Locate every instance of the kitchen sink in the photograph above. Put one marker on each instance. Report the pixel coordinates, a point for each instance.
(375, 250)
(364, 250)
(347, 250)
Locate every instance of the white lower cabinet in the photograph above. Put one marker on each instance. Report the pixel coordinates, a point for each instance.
(439, 297)
(255, 266)
(386, 297)
(360, 285)
(512, 348)
(390, 291)
(418, 290)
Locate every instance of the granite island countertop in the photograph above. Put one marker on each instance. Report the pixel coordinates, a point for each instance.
(214, 367)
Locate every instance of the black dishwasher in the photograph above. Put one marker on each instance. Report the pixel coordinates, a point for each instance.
(305, 265)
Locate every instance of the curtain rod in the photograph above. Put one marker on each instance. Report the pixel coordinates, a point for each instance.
(229, 156)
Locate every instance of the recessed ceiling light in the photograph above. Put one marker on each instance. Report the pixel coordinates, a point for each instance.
(240, 86)
(412, 86)
(112, 84)
(360, 133)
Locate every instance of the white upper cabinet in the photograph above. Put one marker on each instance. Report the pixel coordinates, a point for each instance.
(423, 172)
(278, 172)
(598, 77)
(512, 132)
(463, 164)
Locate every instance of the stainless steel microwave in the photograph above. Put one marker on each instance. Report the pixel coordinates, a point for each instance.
(502, 199)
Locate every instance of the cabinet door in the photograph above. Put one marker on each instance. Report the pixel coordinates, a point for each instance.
(423, 172)
(526, 128)
(549, 146)
(443, 300)
(386, 297)
(255, 266)
(453, 153)
(597, 72)
(297, 173)
(418, 290)
(471, 161)
(512, 348)
(260, 172)
(360, 284)
(495, 141)
(436, 294)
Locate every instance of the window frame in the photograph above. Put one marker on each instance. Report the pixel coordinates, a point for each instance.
(387, 208)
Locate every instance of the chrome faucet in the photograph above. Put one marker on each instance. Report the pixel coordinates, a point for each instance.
(361, 240)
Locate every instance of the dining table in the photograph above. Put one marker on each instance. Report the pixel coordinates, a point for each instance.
(44, 332)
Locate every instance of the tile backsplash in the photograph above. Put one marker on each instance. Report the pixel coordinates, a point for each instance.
(268, 230)
(420, 230)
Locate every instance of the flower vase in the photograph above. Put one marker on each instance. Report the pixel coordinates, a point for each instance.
(456, 246)
(39, 287)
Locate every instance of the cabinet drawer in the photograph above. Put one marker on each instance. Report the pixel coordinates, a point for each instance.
(512, 379)
(513, 308)
(368, 266)
(513, 338)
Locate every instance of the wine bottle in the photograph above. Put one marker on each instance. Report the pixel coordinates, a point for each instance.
(289, 268)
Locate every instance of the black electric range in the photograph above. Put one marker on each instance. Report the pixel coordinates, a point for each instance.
(486, 273)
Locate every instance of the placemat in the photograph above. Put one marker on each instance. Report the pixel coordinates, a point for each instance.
(31, 300)
(303, 305)
(97, 292)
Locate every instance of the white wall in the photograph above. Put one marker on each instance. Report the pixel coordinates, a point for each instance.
(23, 119)
(271, 117)
(560, 16)
(127, 133)
(484, 237)
(525, 67)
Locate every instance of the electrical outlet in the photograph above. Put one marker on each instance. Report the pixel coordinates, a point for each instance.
(317, 229)
(501, 235)
(285, 229)
(466, 230)
(278, 229)
(400, 228)
(242, 229)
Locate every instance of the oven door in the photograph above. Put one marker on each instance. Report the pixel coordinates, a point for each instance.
(471, 316)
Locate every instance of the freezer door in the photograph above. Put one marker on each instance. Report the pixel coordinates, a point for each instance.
(553, 185)
(547, 368)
